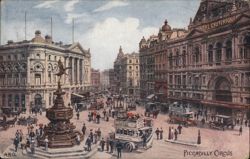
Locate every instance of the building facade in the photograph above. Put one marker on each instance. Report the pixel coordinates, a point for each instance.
(127, 73)
(112, 80)
(95, 79)
(207, 65)
(27, 72)
(105, 79)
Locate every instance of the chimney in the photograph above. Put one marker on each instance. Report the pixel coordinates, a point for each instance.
(48, 39)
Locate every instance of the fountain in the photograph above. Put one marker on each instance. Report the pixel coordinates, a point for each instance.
(60, 131)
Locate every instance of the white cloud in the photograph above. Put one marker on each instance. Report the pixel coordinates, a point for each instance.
(78, 17)
(46, 4)
(69, 6)
(106, 37)
(110, 5)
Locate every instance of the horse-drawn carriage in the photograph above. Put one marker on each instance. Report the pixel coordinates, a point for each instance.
(97, 105)
(5, 124)
(181, 114)
(27, 121)
(221, 122)
(152, 108)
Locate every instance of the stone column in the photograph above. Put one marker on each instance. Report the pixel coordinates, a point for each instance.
(78, 71)
(73, 71)
(235, 50)
(66, 64)
(46, 70)
(28, 70)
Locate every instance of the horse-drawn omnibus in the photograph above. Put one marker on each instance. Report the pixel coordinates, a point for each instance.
(131, 129)
(181, 114)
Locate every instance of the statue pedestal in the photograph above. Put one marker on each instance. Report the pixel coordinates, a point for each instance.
(60, 131)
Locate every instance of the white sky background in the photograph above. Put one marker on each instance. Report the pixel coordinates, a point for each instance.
(101, 25)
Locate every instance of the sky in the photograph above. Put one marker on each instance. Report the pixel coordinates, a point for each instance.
(101, 25)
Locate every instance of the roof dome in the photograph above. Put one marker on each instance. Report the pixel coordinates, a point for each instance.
(166, 27)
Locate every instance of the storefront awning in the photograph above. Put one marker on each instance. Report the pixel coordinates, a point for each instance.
(150, 96)
(78, 95)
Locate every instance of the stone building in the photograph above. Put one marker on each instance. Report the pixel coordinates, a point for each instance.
(95, 79)
(111, 80)
(104, 79)
(207, 65)
(127, 73)
(27, 72)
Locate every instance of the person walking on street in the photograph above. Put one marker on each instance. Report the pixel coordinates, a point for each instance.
(98, 116)
(161, 134)
(107, 144)
(46, 141)
(83, 129)
(157, 133)
(88, 143)
(102, 143)
(240, 131)
(90, 116)
(179, 128)
(175, 134)
(78, 114)
(119, 149)
(16, 143)
(32, 146)
(144, 139)
(99, 133)
(172, 133)
(91, 135)
(111, 144)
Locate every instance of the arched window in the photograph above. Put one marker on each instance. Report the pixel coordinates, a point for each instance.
(196, 56)
(171, 60)
(218, 53)
(246, 43)
(184, 57)
(229, 50)
(177, 58)
(210, 53)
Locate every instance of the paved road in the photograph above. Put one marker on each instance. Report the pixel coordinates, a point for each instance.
(226, 141)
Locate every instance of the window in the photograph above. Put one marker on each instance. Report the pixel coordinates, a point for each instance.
(55, 58)
(38, 56)
(218, 52)
(177, 58)
(184, 57)
(130, 61)
(229, 50)
(15, 56)
(170, 60)
(196, 56)
(130, 67)
(10, 100)
(1, 58)
(49, 57)
(38, 79)
(246, 50)
(3, 100)
(9, 57)
(210, 53)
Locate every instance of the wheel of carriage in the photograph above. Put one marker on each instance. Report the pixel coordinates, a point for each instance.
(129, 146)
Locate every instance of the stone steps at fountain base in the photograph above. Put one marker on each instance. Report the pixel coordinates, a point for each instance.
(69, 153)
